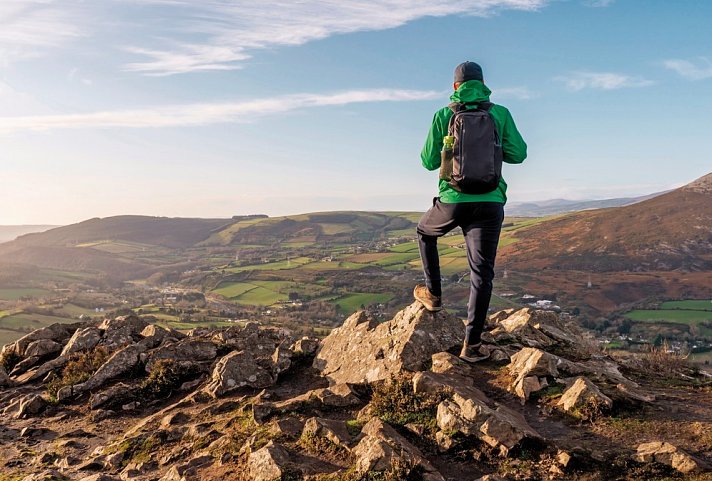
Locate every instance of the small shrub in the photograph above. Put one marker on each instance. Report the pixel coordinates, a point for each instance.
(321, 446)
(166, 376)
(78, 369)
(396, 403)
(10, 359)
(661, 360)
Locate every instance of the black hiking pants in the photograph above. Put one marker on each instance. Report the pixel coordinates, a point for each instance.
(481, 224)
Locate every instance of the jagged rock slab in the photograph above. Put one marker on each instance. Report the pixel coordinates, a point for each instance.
(583, 394)
(381, 446)
(364, 351)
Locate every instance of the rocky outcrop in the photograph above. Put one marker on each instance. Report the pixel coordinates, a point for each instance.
(404, 343)
(378, 399)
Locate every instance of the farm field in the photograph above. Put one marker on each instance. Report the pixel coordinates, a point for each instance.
(696, 304)
(687, 312)
(15, 294)
(352, 302)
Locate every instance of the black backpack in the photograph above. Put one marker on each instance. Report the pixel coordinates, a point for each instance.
(477, 154)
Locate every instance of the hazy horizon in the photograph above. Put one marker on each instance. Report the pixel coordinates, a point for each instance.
(200, 110)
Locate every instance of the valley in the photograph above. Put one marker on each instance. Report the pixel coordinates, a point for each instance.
(604, 268)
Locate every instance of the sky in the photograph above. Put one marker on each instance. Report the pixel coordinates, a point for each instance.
(219, 108)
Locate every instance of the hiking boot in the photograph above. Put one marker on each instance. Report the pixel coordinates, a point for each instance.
(427, 299)
(474, 353)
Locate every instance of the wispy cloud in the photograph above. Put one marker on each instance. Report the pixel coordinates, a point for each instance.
(577, 81)
(700, 70)
(598, 3)
(225, 32)
(519, 93)
(207, 113)
(29, 27)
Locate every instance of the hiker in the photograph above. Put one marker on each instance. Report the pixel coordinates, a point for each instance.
(475, 137)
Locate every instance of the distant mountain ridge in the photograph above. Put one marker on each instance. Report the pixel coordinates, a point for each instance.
(562, 206)
(10, 232)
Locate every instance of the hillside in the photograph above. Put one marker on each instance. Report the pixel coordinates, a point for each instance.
(668, 232)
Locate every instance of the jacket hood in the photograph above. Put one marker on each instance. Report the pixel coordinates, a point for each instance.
(472, 91)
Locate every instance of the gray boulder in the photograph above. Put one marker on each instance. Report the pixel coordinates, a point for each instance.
(42, 347)
(246, 368)
(364, 351)
(82, 340)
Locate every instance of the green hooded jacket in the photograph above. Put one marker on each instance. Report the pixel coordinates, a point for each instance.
(513, 146)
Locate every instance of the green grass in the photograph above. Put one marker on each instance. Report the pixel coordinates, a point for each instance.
(352, 302)
(396, 259)
(233, 289)
(70, 310)
(6, 337)
(15, 294)
(407, 247)
(695, 305)
(670, 315)
(274, 266)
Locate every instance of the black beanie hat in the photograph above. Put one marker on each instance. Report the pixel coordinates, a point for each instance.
(468, 71)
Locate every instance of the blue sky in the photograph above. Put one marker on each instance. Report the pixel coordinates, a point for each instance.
(218, 108)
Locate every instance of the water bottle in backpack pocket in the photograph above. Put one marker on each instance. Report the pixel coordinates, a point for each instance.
(477, 151)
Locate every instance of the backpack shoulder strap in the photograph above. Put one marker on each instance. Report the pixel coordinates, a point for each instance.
(486, 106)
(456, 107)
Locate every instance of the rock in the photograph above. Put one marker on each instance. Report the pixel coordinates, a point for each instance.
(119, 363)
(583, 395)
(133, 322)
(533, 328)
(55, 332)
(42, 347)
(188, 350)
(634, 394)
(524, 386)
(117, 338)
(98, 477)
(338, 395)
(269, 463)
(666, 453)
(501, 428)
(187, 471)
(47, 475)
(444, 441)
(177, 418)
(116, 392)
(306, 346)
(333, 430)
(404, 343)
(82, 340)
(381, 447)
(40, 372)
(5, 380)
(159, 333)
(24, 365)
(31, 405)
(290, 427)
(239, 369)
(533, 362)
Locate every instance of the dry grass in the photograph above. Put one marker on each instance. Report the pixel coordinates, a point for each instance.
(80, 367)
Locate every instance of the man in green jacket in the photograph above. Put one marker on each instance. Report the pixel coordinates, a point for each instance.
(479, 215)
